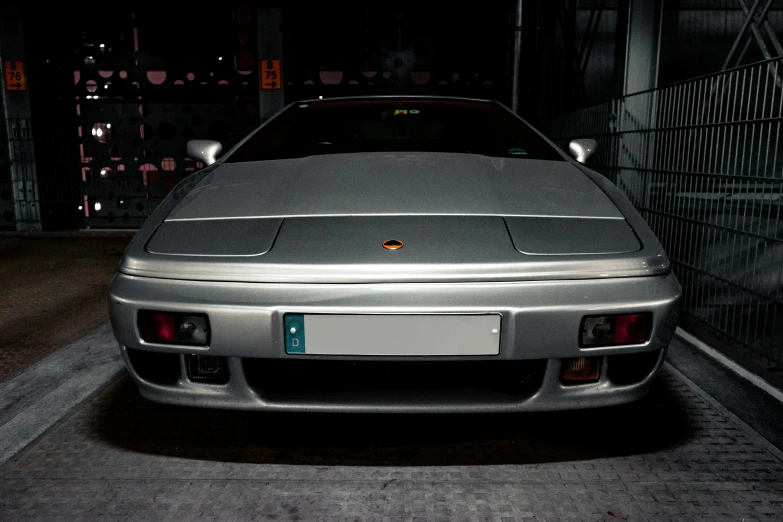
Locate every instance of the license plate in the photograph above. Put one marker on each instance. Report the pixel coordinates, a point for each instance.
(329, 334)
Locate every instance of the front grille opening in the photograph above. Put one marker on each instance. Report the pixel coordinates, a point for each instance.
(207, 369)
(157, 368)
(631, 368)
(516, 378)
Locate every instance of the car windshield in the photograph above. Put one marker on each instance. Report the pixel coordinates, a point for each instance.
(394, 125)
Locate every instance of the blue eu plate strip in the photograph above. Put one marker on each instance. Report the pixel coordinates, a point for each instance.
(294, 333)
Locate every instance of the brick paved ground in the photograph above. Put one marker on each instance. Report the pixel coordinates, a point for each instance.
(52, 291)
(675, 456)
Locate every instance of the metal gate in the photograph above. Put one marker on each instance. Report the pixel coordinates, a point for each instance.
(702, 161)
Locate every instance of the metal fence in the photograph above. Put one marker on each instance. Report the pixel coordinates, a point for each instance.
(701, 160)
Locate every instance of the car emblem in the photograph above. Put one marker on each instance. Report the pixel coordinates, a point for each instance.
(393, 244)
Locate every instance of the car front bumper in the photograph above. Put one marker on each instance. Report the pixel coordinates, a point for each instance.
(540, 326)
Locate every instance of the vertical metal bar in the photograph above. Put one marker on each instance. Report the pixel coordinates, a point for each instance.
(672, 187)
(517, 57)
(731, 236)
(751, 115)
(715, 237)
(700, 245)
(761, 333)
(769, 135)
(762, 116)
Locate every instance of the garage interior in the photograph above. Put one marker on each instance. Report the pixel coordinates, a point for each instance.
(685, 101)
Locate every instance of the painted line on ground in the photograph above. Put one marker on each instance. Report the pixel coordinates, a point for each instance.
(731, 365)
(78, 369)
(725, 411)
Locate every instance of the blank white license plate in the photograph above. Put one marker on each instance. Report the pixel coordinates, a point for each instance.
(328, 334)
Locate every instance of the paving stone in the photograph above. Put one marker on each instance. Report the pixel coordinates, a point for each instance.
(673, 456)
(57, 281)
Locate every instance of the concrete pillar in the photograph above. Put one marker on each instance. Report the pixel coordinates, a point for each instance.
(636, 110)
(643, 45)
(15, 98)
(270, 56)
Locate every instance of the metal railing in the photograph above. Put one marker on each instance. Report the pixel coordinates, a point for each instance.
(702, 161)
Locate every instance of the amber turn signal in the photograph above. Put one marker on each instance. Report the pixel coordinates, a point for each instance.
(580, 370)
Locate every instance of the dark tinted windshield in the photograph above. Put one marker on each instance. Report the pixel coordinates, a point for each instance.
(344, 126)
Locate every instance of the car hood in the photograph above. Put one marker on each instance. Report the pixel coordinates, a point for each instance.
(461, 218)
(389, 184)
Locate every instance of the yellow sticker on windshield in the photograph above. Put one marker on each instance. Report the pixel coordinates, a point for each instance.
(405, 111)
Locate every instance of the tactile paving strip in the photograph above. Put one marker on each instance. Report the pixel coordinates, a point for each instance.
(673, 456)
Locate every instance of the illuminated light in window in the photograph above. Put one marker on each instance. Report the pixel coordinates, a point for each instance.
(122, 201)
(220, 57)
(97, 206)
(105, 86)
(156, 77)
(102, 46)
(103, 172)
(420, 77)
(330, 77)
(101, 132)
(108, 125)
(81, 207)
(168, 164)
(320, 97)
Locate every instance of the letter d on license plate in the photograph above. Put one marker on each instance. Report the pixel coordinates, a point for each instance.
(294, 333)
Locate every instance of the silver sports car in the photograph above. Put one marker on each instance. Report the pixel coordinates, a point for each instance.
(394, 254)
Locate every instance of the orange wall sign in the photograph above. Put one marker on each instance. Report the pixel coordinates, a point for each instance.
(271, 78)
(15, 79)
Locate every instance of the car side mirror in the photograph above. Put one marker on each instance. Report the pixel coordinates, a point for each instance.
(203, 150)
(582, 149)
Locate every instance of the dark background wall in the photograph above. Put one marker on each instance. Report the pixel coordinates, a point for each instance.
(110, 122)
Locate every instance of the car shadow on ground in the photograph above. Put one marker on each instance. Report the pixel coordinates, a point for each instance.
(122, 418)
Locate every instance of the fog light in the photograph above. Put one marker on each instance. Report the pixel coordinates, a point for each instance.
(207, 368)
(580, 370)
(173, 328)
(609, 330)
